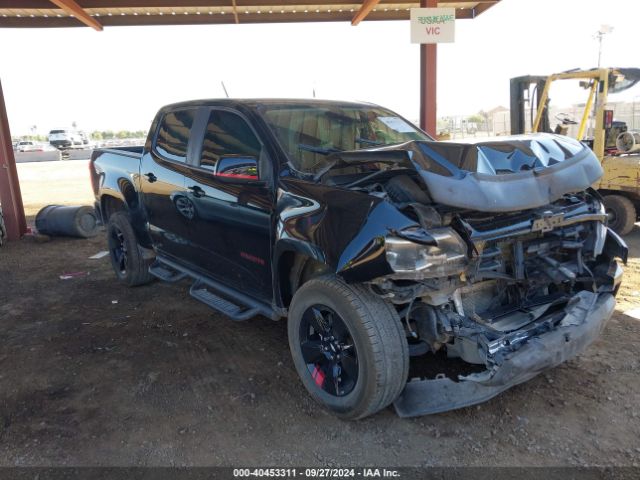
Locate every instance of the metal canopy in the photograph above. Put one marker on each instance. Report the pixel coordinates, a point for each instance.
(99, 13)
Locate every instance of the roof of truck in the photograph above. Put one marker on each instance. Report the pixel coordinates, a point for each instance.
(253, 102)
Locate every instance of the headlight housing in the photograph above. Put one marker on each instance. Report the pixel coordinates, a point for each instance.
(411, 260)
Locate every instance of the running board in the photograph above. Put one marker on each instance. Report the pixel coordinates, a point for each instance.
(222, 298)
(165, 273)
(203, 292)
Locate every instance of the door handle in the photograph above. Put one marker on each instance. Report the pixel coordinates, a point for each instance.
(151, 177)
(196, 191)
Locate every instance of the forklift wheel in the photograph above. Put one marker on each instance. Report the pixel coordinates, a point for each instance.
(621, 213)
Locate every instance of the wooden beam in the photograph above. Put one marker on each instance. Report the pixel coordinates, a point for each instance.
(366, 7)
(10, 197)
(481, 7)
(87, 4)
(140, 20)
(235, 12)
(72, 8)
(428, 81)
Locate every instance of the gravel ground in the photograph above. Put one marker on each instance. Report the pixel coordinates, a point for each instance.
(93, 373)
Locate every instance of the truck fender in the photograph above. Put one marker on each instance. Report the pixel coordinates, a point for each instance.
(311, 221)
(125, 198)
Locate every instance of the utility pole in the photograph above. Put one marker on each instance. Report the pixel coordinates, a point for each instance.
(604, 30)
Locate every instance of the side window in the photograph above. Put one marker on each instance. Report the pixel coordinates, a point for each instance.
(173, 135)
(227, 135)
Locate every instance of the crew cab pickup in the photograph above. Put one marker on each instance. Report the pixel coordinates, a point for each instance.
(483, 263)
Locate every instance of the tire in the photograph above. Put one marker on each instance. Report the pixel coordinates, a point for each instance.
(374, 336)
(127, 258)
(621, 213)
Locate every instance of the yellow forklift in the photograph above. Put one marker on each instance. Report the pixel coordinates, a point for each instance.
(617, 148)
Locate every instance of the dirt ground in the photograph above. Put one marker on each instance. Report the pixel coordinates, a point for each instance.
(93, 373)
(60, 183)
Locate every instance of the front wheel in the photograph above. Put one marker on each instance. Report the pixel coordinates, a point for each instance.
(126, 255)
(348, 346)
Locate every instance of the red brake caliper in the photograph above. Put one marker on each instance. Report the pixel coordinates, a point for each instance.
(318, 375)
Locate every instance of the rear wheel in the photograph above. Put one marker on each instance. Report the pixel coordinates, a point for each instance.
(127, 257)
(621, 213)
(348, 346)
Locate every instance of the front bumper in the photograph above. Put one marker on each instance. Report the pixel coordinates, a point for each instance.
(586, 315)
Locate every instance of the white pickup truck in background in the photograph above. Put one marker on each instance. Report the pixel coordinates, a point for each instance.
(67, 138)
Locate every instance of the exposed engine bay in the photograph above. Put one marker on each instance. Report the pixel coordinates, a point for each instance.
(508, 270)
(481, 286)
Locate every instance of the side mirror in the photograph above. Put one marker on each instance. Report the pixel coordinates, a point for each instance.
(241, 168)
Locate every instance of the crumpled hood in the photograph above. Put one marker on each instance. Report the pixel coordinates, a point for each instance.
(495, 174)
(515, 173)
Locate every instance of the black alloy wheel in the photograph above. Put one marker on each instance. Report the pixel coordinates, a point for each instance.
(127, 257)
(118, 248)
(348, 346)
(328, 350)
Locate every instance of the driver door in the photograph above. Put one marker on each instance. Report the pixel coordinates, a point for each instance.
(233, 205)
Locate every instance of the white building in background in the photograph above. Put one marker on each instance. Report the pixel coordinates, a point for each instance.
(499, 118)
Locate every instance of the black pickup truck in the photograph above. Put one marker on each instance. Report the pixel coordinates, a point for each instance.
(483, 263)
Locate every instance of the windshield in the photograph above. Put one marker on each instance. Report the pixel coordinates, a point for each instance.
(309, 133)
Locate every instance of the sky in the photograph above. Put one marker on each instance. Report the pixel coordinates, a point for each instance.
(117, 79)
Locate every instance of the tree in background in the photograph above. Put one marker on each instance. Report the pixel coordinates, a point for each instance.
(477, 118)
(485, 117)
(120, 134)
(35, 138)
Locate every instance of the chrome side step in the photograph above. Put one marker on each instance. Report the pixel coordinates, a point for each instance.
(165, 273)
(205, 293)
(236, 305)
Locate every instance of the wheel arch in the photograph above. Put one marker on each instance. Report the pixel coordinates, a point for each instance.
(126, 199)
(295, 263)
(110, 204)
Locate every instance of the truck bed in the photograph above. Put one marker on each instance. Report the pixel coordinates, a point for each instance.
(122, 163)
(129, 151)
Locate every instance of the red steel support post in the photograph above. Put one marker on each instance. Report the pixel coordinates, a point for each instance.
(428, 80)
(10, 197)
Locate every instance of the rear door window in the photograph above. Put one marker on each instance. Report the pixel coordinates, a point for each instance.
(172, 140)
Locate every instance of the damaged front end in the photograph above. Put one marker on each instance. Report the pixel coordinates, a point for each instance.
(533, 291)
(510, 292)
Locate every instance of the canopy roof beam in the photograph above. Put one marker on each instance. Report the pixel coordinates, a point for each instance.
(366, 7)
(72, 8)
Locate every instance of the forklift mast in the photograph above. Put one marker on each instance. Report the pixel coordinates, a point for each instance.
(525, 93)
(619, 185)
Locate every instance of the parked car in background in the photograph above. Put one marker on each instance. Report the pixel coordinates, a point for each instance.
(28, 146)
(65, 138)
